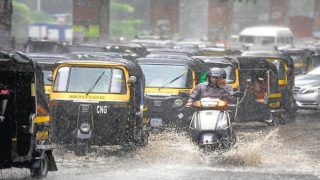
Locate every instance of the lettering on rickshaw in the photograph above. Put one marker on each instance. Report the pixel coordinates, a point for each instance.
(102, 109)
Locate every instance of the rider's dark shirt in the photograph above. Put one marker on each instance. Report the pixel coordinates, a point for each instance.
(208, 90)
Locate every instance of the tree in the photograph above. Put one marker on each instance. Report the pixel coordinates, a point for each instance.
(121, 26)
(22, 17)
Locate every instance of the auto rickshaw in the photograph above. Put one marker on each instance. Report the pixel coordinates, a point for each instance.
(286, 68)
(167, 81)
(243, 73)
(210, 51)
(24, 116)
(46, 63)
(98, 103)
(44, 46)
(304, 59)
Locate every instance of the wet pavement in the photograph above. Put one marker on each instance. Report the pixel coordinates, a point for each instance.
(290, 151)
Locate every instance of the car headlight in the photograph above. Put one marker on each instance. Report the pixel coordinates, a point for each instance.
(222, 123)
(311, 90)
(178, 102)
(84, 127)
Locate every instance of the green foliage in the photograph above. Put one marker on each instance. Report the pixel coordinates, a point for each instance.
(126, 28)
(123, 27)
(122, 7)
(22, 17)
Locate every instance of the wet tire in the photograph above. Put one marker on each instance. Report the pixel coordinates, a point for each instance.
(39, 167)
(143, 140)
(82, 150)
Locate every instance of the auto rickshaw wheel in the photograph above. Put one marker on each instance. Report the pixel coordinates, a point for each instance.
(39, 167)
(143, 139)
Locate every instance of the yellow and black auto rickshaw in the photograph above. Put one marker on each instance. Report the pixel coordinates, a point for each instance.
(286, 68)
(286, 77)
(258, 80)
(304, 59)
(98, 103)
(24, 116)
(167, 81)
(220, 52)
(46, 63)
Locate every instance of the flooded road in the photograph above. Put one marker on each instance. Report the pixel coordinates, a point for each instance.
(290, 151)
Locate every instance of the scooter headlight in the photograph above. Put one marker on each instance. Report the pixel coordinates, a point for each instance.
(178, 102)
(85, 127)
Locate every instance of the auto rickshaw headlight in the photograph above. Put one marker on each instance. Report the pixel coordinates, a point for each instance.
(85, 127)
(178, 102)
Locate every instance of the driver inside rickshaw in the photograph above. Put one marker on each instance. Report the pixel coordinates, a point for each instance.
(215, 87)
(260, 90)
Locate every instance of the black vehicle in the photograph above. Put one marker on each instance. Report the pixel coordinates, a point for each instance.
(167, 80)
(44, 46)
(258, 78)
(286, 77)
(46, 63)
(304, 59)
(124, 51)
(24, 116)
(243, 74)
(98, 103)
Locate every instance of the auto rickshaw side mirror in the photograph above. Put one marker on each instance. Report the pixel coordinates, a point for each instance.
(132, 79)
(238, 94)
(50, 78)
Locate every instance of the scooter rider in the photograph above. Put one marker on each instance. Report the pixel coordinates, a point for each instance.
(215, 87)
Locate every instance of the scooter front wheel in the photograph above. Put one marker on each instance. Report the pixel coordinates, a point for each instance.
(82, 148)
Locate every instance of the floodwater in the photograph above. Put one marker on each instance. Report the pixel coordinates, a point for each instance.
(290, 151)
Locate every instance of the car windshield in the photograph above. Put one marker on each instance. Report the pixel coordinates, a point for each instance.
(230, 70)
(95, 80)
(167, 76)
(259, 40)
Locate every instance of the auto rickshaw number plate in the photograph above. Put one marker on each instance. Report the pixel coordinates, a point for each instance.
(156, 122)
(157, 103)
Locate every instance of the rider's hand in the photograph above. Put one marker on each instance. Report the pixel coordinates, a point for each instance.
(261, 101)
(189, 104)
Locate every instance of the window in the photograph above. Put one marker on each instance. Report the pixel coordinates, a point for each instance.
(94, 80)
(167, 75)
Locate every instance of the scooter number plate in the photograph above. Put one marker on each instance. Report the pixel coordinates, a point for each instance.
(207, 138)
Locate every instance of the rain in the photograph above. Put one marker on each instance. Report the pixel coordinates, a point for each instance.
(159, 89)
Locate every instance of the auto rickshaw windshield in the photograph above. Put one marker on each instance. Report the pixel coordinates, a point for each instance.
(94, 80)
(167, 75)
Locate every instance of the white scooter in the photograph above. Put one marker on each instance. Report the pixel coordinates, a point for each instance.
(211, 125)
